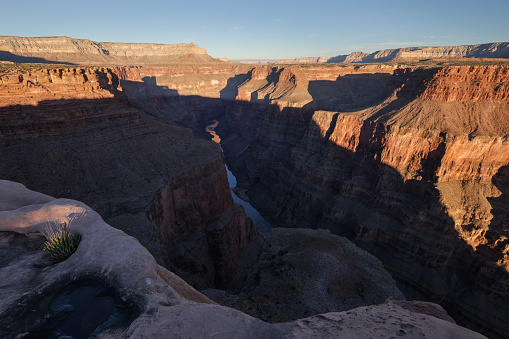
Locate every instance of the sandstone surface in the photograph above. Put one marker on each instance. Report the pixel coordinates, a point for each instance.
(160, 303)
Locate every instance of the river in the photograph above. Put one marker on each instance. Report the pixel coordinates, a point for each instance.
(262, 225)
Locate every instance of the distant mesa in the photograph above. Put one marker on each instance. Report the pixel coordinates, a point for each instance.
(64, 50)
(495, 50)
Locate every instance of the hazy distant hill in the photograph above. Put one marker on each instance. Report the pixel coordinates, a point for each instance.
(489, 50)
(77, 51)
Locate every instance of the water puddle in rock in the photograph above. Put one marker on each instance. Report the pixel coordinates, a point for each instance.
(84, 309)
(262, 225)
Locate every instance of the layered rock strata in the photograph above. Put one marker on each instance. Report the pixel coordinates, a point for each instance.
(81, 51)
(409, 163)
(305, 141)
(489, 50)
(201, 229)
(160, 304)
(362, 151)
(495, 50)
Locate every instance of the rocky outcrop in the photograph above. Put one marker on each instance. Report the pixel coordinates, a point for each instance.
(79, 51)
(40, 298)
(202, 231)
(303, 272)
(414, 171)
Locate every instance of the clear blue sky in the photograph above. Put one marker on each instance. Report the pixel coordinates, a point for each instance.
(265, 29)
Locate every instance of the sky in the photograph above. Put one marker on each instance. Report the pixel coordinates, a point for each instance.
(265, 29)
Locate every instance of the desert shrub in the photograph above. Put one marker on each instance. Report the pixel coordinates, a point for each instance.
(61, 243)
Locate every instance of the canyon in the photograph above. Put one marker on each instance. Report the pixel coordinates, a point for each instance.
(72, 133)
(409, 162)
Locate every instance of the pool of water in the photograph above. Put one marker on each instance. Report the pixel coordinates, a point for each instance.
(83, 309)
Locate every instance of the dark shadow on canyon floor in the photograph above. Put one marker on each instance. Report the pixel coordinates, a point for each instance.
(352, 92)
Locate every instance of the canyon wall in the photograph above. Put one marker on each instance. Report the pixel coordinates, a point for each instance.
(202, 231)
(81, 51)
(187, 95)
(410, 163)
(72, 133)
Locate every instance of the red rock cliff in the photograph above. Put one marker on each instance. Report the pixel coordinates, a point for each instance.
(411, 163)
(196, 216)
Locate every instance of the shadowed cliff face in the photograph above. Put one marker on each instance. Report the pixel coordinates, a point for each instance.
(409, 163)
(72, 133)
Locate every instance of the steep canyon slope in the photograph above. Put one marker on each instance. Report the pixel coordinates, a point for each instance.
(410, 163)
(111, 287)
(73, 132)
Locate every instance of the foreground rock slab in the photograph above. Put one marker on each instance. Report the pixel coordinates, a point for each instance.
(161, 304)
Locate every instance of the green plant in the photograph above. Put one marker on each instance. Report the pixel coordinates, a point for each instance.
(61, 243)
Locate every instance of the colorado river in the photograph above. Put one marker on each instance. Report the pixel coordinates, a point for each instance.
(262, 225)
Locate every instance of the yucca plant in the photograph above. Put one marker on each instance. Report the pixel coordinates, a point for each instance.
(62, 243)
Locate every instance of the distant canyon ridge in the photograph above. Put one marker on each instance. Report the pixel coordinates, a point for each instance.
(480, 51)
(408, 161)
(63, 49)
(67, 50)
